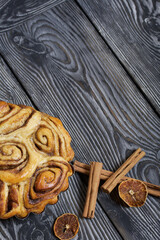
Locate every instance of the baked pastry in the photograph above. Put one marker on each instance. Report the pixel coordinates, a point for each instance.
(34, 154)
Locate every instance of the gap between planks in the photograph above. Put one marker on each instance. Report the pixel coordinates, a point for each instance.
(19, 82)
(121, 63)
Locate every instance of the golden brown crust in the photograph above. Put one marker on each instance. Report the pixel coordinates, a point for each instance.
(34, 154)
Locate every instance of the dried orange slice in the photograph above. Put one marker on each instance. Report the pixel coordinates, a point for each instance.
(133, 192)
(66, 226)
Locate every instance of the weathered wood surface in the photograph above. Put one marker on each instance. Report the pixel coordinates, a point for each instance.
(132, 30)
(14, 12)
(10, 90)
(40, 226)
(69, 72)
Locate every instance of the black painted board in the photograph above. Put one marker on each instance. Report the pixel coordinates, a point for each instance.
(10, 89)
(41, 226)
(120, 219)
(132, 30)
(69, 72)
(13, 12)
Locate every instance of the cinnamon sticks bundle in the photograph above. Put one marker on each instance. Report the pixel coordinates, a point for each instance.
(83, 168)
(95, 172)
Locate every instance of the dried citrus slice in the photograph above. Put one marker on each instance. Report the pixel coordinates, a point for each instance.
(133, 192)
(66, 226)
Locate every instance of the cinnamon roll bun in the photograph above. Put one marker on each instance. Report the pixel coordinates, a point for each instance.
(35, 152)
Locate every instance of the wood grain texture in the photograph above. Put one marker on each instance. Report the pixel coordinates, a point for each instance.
(40, 226)
(132, 30)
(10, 89)
(14, 12)
(69, 72)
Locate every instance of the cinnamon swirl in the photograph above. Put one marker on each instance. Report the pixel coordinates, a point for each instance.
(34, 154)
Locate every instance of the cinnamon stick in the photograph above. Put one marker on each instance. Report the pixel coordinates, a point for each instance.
(105, 174)
(93, 184)
(115, 178)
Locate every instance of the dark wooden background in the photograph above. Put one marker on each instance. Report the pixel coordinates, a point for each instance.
(96, 66)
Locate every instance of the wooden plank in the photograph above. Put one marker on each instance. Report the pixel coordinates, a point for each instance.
(131, 29)
(15, 12)
(69, 72)
(40, 226)
(10, 89)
